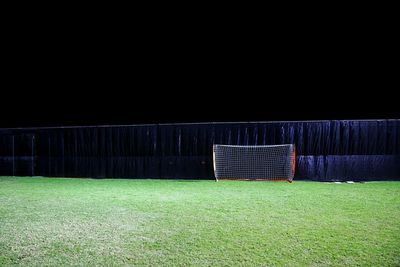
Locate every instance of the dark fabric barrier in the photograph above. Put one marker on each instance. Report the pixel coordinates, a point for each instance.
(194, 167)
(353, 167)
(327, 150)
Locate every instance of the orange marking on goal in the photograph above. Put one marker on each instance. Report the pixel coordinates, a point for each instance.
(294, 161)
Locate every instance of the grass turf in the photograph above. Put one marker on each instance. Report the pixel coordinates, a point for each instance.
(85, 222)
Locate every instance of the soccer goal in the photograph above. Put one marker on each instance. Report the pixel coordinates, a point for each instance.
(272, 162)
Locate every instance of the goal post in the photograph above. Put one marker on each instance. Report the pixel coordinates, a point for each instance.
(266, 162)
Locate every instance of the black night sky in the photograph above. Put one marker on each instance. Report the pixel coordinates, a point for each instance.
(75, 96)
(117, 107)
(75, 78)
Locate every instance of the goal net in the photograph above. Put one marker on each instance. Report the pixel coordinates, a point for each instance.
(272, 162)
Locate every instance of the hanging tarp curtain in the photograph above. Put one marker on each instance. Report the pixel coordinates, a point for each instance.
(326, 150)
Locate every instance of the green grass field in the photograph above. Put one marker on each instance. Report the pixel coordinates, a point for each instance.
(86, 222)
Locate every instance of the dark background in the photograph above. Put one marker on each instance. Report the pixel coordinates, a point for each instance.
(144, 109)
(57, 74)
(87, 101)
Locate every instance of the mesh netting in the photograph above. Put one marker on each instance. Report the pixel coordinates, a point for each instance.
(273, 162)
